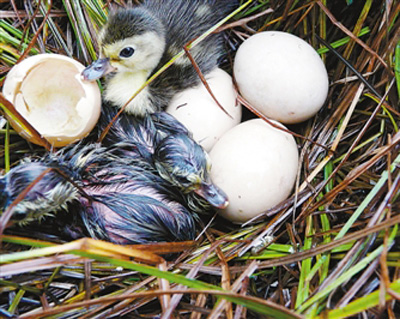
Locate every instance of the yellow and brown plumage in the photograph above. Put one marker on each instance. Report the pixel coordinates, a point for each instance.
(136, 42)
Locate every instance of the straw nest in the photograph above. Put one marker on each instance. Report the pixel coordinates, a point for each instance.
(329, 251)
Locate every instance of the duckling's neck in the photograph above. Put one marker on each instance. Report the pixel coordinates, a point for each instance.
(123, 85)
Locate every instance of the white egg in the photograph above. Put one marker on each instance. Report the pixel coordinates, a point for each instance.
(201, 115)
(47, 90)
(256, 165)
(282, 76)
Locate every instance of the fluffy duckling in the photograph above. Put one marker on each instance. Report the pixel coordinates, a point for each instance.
(136, 42)
(121, 201)
(164, 143)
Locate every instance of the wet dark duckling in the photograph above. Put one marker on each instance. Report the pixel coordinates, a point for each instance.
(136, 42)
(121, 201)
(164, 143)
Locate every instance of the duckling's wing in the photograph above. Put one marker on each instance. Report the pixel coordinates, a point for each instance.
(185, 21)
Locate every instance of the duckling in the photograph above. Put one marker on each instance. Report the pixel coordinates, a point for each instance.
(121, 201)
(136, 42)
(165, 143)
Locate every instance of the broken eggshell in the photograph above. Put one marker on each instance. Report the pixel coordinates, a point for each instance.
(47, 90)
(197, 110)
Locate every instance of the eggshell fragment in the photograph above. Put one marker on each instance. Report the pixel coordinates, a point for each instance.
(48, 92)
(256, 165)
(201, 115)
(282, 76)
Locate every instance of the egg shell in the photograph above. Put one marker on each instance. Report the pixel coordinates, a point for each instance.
(196, 109)
(256, 165)
(47, 90)
(282, 76)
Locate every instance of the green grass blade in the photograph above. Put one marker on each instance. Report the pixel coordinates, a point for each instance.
(397, 68)
(361, 304)
(341, 42)
(54, 30)
(7, 148)
(303, 291)
(348, 274)
(96, 11)
(368, 199)
(16, 301)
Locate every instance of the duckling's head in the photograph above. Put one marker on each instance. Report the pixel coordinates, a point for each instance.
(46, 190)
(132, 41)
(185, 164)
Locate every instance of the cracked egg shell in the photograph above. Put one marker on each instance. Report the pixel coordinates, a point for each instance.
(255, 164)
(282, 76)
(196, 109)
(47, 90)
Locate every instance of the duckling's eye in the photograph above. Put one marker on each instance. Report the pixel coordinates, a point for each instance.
(126, 52)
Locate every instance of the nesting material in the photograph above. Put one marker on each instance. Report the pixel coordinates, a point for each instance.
(48, 92)
(255, 164)
(198, 111)
(348, 187)
(282, 76)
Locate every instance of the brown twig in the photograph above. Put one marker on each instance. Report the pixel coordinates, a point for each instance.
(203, 80)
(5, 217)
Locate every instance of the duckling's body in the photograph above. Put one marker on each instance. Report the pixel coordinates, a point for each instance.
(129, 204)
(137, 42)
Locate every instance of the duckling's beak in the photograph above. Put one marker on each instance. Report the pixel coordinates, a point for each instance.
(214, 195)
(97, 69)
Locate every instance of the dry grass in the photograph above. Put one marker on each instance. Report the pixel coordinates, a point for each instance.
(334, 250)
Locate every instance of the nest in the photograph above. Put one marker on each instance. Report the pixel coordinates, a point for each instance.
(329, 251)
